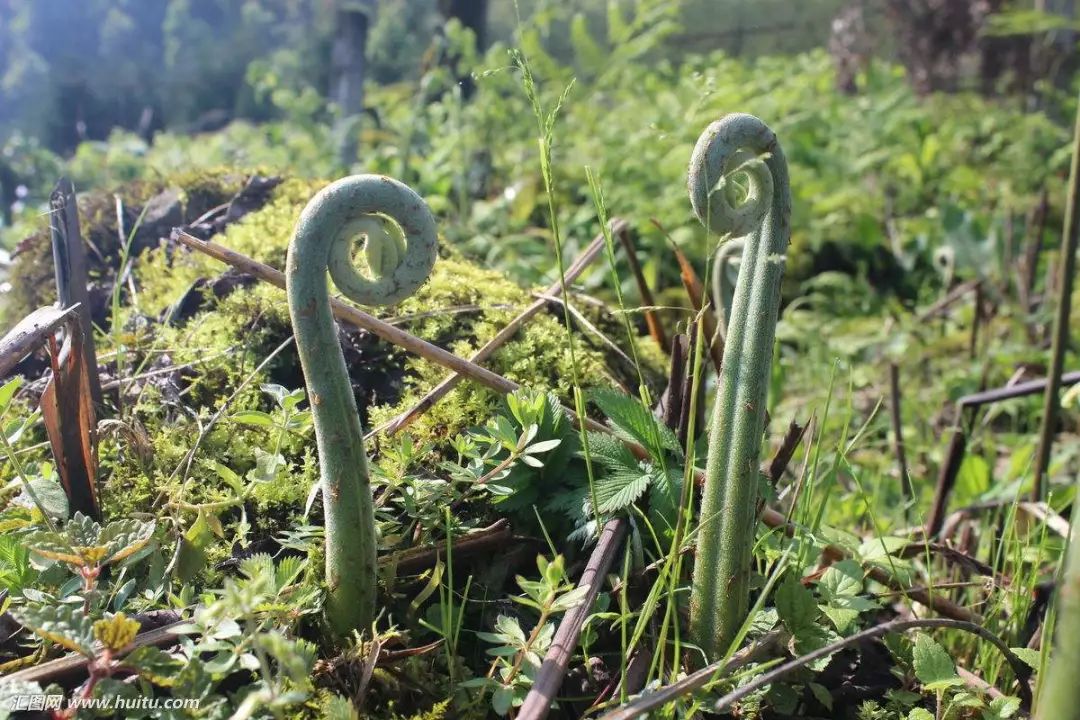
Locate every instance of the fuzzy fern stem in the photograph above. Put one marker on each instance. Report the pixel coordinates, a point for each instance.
(401, 246)
(737, 145)
(1059, 694)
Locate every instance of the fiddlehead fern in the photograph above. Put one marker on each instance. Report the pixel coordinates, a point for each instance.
(726, 263)
(737, 144)
(401, 247)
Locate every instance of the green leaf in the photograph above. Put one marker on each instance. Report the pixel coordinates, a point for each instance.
(15, 570)
(543, 446)
(53, 499)
(66, 625)
(267, 466)
(510, 627)
(618, 490)
(842, 579)
(1029, 657)
(339, 708)
(124, 538)
(570, 600)
(234, 481)
(822, 695)
(796, 605)
(609, 451)
(839, 587)
(933, 666)
(920, 714)
(7, 392)
(255, 418)
(633, 421)
(1001, 708)
(501, 700)
(972, 480)
(878, 548)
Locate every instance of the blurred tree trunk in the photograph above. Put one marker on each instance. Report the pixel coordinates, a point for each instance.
(348, 64)
(1005, 57)
(8, 182)
(934, 36)
(471, 14)
(850, 46)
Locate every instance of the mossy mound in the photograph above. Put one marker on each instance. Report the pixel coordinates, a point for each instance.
(145, 208)
(187, 382)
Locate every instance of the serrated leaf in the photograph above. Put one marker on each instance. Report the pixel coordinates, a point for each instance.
(82, 530)
(796, 605)
(124, 538)
(633, 421)
(1029, 657)
(339, 708)
(933, 666)
(15, 570)
(609, 451)
(66, 625)
(842, 618)
(619, 489)
(46, 545)
(510, 627)
(840, 586)
(1001, 708)
(841, 579)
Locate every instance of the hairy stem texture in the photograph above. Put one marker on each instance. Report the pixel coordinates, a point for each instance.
(733, 148)
(401, 247)
(1059, 696)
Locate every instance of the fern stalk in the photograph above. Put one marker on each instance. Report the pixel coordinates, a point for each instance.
(1059, 694)
(400, 256)
(737, 145)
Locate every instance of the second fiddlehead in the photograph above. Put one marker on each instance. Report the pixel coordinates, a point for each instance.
(737, 145)
(401, 246)
(726, 263)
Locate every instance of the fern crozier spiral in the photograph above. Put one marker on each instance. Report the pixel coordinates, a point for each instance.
(401, 247)
(737, 144)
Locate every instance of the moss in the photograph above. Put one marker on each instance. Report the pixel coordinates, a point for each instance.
(537, 356)
(461, 307)
(32, 275)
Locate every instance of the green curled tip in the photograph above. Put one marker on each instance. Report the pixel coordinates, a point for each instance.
(735, 143)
